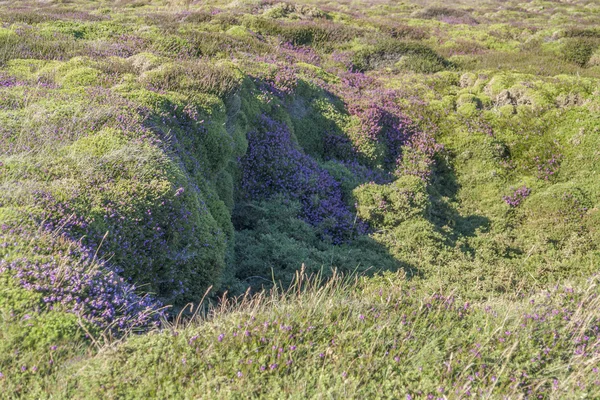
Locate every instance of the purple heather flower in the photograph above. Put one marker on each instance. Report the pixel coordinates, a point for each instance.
(274, 164)
(88, 288)
(517, 197)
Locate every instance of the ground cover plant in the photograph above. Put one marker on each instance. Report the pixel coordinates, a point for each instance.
(369, 199)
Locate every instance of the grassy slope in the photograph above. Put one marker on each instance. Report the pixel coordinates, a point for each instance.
(123, 130)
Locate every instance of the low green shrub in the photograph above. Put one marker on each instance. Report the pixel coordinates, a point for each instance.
(413, 56)
(193, 76)
(305, 32)
(578, 50)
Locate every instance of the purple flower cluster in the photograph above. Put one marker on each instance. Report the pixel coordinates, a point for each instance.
(418, 157)
(381, 118)
(301, 53)
(517, 197)
(71, 279)
(382, 121)
(124, 46)
(8, 81)
(282, 81)
(275, 165)
(547, 167)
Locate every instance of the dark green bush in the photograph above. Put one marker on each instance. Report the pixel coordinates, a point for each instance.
(414, 56)
(305, 32)
(579, 50)
(445, 13)
(406, 32)
(272, 243)
(575, 32)
(387, 206)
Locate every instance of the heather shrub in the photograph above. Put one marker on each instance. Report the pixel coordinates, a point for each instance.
(56, 299)
(34, 341)
(293, 11)
(377, 128)
(275, 165)
(33, 45)
(406, 32)
(220, 80)
(517, 196)
(273, 242)
(319, 123)
(413, 56)
(386, 206)
(74, 282)
(578, 51)
(446, 14)
(219, 45)
(117, 188)
(303, 32)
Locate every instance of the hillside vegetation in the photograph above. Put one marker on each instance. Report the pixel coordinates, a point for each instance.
(254, 198)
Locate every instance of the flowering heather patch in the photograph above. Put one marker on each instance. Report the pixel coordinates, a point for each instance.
(71, 278)
(547, 167)
(302, 53)
(517, 197)
(280, 80)
(274, 165)
(126, 45)
(382, 125)
(418, 156)
(8, 81)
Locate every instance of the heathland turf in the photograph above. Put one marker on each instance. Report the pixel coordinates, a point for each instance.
(432, 169)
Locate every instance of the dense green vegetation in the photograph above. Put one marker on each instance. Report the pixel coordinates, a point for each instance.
(277, 199)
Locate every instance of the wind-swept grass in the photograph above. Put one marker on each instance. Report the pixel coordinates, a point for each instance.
(360, 338)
